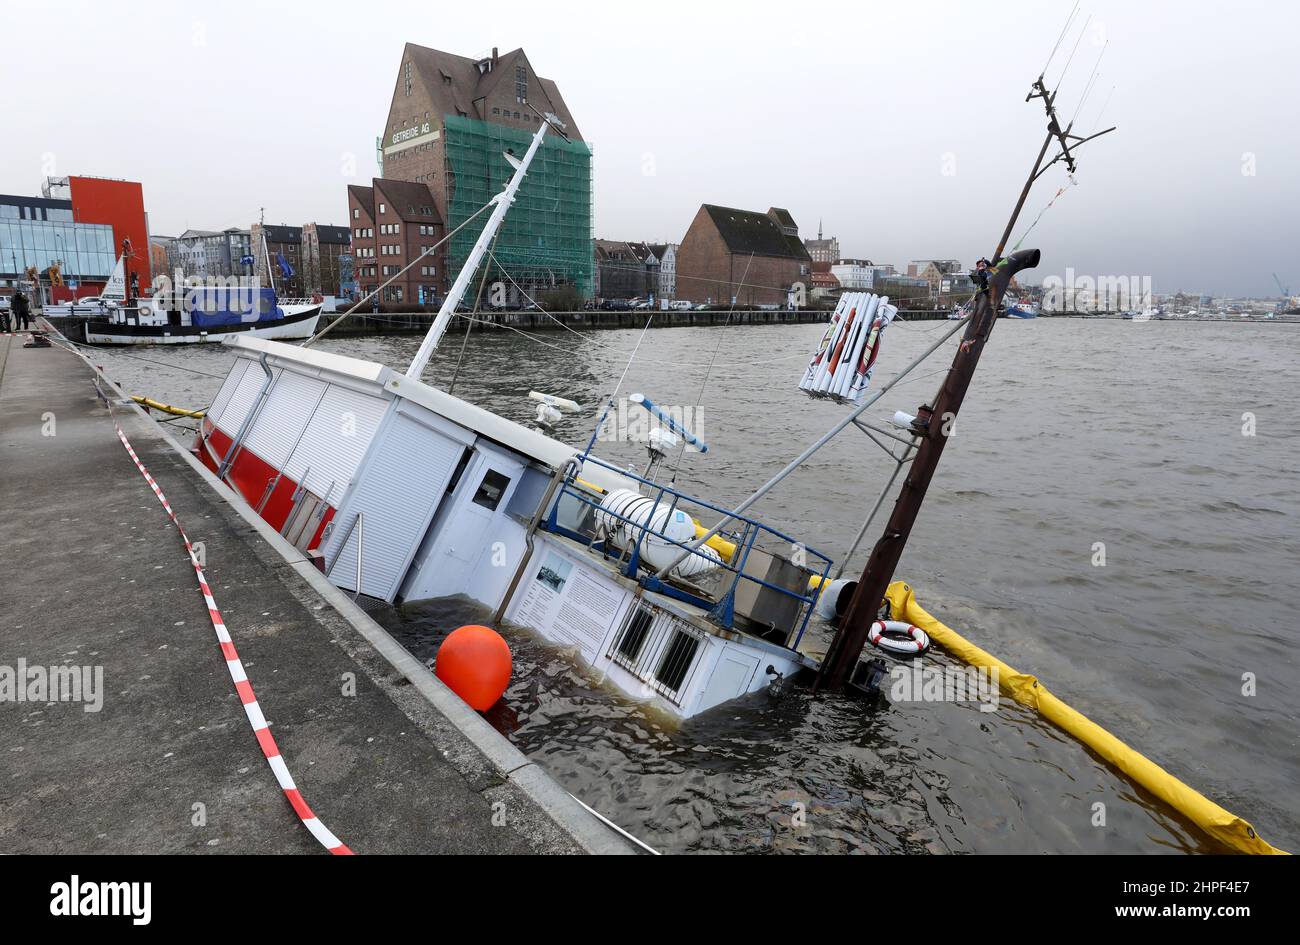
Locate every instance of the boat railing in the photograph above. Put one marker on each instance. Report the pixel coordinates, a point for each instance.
(295, 302)
(745, 535)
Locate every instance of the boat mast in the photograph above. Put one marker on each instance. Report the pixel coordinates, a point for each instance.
(266, 254)
(503, 201)
(846, 647)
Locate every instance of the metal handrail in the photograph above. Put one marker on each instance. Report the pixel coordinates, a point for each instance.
(723, 608)
(360, 528)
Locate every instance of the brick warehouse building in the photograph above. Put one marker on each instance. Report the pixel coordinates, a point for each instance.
(393, 222)
(752, 257)
(449, 122)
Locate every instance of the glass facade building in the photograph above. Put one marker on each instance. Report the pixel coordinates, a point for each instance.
(39, 232)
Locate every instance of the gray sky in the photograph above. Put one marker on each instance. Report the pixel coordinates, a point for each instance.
(848, 112)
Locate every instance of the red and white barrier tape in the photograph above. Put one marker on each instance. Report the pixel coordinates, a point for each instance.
(242, 686)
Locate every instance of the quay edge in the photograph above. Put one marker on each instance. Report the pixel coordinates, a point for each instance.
(405, 767)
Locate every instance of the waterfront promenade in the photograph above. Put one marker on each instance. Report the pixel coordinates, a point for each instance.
(95, 575)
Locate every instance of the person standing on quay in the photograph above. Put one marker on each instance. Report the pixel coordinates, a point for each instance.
(21, 312)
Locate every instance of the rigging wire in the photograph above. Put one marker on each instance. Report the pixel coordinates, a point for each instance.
(1096, 122)
(168, 364)
(478, 304)
(1064, 29)
(609, 405)
(427, 251)
(621, 352)
(681, 452)
(1071, 182)
(1087, 89)
(1066, 67)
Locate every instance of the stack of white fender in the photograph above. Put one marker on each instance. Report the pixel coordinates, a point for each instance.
(841, 368)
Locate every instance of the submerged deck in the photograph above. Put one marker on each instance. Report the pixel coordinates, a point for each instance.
(97, 576)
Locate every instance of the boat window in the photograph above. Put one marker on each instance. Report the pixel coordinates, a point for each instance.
(677, 660)
(634, 634)
(491, 489)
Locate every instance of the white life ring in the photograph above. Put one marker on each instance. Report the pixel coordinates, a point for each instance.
(917, 641)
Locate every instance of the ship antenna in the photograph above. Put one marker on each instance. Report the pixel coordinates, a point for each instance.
(851, 636)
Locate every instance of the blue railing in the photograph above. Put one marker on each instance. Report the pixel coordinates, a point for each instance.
(723, 610)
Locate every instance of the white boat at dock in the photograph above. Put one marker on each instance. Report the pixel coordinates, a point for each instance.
(193, 314)
(206, 315)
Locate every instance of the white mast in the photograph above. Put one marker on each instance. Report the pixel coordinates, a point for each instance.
(503, 201)
(266, 252)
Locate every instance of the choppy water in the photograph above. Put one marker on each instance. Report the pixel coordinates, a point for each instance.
(1075, 432)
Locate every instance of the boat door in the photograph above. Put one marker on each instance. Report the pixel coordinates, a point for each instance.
(387, 509)
(473, 546)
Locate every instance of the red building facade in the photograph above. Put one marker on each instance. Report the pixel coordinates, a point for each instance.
(119, 204)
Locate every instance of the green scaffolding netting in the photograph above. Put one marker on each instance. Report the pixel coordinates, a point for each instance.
(546, 240)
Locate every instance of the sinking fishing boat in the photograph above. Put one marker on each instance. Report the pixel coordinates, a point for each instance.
(403, 492)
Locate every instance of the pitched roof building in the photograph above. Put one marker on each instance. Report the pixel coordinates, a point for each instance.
(395, 227)
(626, 270)
(751, 257)
(823, 250)
(450, 119)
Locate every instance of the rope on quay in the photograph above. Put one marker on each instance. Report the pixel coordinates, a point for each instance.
(1220, 824)
(243, 687)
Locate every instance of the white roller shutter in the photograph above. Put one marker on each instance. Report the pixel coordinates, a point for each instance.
(242, 399)
(400, 485)
(227, 389)
(335, 441)
(280, 423)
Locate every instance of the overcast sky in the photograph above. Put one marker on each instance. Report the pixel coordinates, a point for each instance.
(902, 126)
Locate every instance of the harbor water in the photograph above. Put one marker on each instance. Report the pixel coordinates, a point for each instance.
(1116, 513)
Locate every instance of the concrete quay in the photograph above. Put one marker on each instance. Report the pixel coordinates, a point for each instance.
(95, 576)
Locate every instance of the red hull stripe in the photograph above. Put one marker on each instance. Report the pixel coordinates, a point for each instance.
(242, 686)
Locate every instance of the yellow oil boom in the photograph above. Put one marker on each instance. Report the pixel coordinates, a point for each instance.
(1221, 824)
(167, 408)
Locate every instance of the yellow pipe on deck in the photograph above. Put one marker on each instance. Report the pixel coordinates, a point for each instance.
(1223, 825)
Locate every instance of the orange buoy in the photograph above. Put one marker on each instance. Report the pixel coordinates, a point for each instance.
(475, 664)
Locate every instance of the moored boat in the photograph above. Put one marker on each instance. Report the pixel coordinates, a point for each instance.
(205, 315)
(1017, 308)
